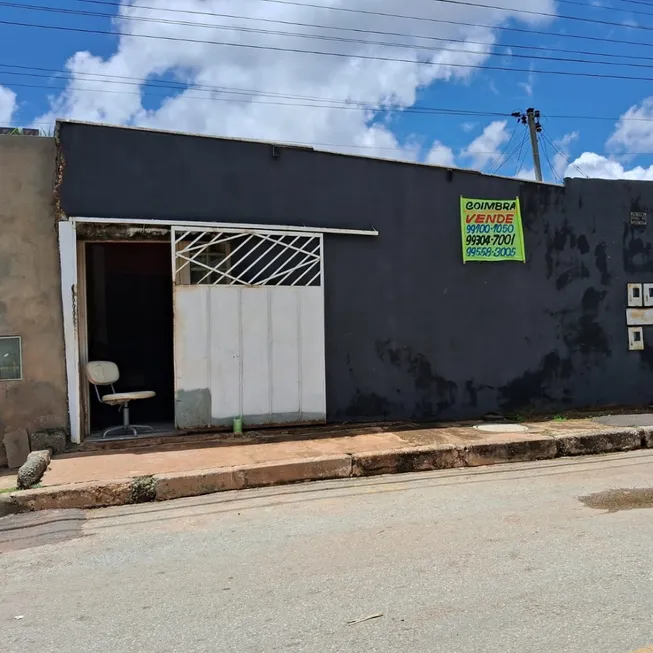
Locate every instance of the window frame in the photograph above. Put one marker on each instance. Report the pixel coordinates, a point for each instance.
(20, 360)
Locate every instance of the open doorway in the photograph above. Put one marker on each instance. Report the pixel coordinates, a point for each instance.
(130, 322)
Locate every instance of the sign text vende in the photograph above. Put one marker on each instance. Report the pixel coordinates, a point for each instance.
(490, 218)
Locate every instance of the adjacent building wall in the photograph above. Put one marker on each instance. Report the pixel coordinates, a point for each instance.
(411, 332)
(30, 289)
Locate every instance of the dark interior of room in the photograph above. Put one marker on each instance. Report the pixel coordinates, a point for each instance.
(130, 322)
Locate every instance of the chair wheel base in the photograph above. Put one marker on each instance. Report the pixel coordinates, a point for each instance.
(128, 429)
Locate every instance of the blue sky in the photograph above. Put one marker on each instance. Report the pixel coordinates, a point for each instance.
(299, 75)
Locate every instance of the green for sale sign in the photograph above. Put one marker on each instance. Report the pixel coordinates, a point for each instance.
(491, 230)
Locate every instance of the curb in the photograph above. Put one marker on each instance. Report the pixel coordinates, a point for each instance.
(603, 442)
(163, 487)
(7, 506)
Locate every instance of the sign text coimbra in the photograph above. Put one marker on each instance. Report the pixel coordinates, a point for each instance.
(491, 230)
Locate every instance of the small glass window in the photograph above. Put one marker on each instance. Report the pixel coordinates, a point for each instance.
(203, 263)
(212, 258)
(11, 358)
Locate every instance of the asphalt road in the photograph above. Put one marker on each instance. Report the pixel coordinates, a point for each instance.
(500, 559)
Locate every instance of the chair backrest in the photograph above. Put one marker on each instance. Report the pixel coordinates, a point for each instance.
(102, 372)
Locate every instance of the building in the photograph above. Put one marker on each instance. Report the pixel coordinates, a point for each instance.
(312, 286)
(32, 372)
(287, 285)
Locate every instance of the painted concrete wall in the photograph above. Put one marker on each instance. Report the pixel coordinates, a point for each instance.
(411, 332)
(30, 292)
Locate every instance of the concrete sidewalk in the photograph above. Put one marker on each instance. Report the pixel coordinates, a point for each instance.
(139, 474)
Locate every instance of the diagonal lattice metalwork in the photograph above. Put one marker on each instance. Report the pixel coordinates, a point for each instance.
(249, 258)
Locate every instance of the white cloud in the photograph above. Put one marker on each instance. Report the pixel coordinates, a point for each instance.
(528, 85)
(493, 86)
(441, 155)
(487, 147)
(634, 130)
(600, 167)
(276, 75)
(7, 105)
(633, 134)
(561, 157)
(468, 127)
(527, 174)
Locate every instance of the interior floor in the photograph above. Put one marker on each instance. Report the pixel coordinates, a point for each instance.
(160, 429)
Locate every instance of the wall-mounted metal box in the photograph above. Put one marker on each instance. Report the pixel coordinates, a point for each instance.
(635, 338)
(648, 294)
(635, 294)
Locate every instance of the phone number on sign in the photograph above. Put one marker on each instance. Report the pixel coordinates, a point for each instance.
(496, 239)
(487, 252)
(490, 228)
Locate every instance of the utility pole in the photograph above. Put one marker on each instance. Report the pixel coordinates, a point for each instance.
(534, 127)
(532, 120)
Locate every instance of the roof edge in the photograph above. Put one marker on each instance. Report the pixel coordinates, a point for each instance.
(300, 146)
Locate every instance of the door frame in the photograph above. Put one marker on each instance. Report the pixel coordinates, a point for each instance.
(82, 319)
(73, 284)
(82, 337)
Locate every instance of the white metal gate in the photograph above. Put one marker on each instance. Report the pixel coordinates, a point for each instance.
(249, 326)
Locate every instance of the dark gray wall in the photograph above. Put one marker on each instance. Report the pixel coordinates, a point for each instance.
(412, 333)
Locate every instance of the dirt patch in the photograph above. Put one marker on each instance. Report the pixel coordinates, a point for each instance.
(620, 499)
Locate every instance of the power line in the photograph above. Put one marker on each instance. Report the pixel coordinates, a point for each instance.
(293, 143)
(518, 148)
(501, 154)
(325, 37)
(463, 3)
(548, 160)
(512, 153)
(466, 3)
(362, 147)
(521, 157)
(330, 54)
(406, 17)
(348, 103)
(632, 2)
(179, 86)
(359, 107)
(563, 155)
(548, 14)
(569, 117)
(603, 7)
(530, 12)
(508, 156)
(338, 28)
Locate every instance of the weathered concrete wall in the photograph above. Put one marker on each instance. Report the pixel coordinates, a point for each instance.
(30, 289)
(411, 332)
